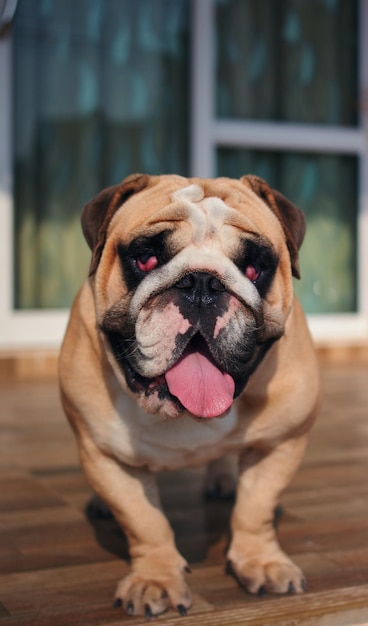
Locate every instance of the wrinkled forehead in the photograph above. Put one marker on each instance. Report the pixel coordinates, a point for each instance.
(208, 213)
(206, 204)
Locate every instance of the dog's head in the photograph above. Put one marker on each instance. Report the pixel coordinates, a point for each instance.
(193, 283)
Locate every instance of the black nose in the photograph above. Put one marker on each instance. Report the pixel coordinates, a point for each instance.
(200, 288)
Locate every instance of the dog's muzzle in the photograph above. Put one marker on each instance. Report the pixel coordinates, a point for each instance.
(193, 343)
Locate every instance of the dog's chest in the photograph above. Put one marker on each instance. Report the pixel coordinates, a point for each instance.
(139, 439)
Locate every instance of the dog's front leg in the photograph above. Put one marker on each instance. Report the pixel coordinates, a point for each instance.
(255, 556)
(156, 581)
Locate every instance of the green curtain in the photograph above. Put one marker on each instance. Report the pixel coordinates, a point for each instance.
(100, 90)
(325, 187)
(296, 61)
(287, 60)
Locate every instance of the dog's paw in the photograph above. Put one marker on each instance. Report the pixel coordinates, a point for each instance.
(150, 589)
(262, 574)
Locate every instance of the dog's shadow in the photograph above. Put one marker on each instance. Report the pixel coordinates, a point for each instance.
(200, 521)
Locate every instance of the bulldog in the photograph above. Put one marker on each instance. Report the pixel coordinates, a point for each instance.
(186, 346)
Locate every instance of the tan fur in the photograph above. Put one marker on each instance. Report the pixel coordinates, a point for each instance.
(123, 441)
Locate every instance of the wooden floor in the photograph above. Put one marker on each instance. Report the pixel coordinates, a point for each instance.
(59, 568)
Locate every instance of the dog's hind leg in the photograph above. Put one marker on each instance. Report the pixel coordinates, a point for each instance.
(222, 478)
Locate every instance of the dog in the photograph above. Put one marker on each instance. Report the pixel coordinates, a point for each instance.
(187, 346)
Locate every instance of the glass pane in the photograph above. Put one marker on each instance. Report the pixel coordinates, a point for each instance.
(100, 91)
(290, 60)
(324, 187)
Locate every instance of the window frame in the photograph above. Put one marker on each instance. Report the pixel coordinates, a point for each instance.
(44, 329)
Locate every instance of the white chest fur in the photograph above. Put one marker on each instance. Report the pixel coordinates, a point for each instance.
(136, 438)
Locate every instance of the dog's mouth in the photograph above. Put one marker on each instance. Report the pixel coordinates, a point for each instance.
(200, 385)
(195, 382)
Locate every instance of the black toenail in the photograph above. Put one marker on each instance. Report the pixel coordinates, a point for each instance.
(182, 610)
(291, 588)
(130, 608)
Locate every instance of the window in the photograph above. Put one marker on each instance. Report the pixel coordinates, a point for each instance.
(279, 89)
(93, 90)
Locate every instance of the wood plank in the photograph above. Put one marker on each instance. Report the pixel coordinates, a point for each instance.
(59, 567)
(40, 365)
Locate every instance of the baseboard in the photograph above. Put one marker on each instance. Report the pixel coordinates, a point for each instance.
(28, 365)
(43, 364)
(344, 354)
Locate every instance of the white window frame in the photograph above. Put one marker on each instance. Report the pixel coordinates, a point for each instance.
(44, 329)
(208, 133)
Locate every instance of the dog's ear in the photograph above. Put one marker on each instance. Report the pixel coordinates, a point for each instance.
(290, 217)
(98, 212)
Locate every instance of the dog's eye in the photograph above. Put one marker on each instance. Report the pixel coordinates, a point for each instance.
(252, 273)
(147, 262)
(144, 255)
(257, 261)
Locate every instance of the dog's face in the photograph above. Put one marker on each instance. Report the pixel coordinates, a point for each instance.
(193, 283)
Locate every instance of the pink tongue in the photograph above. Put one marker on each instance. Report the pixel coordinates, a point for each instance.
(200, 386)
